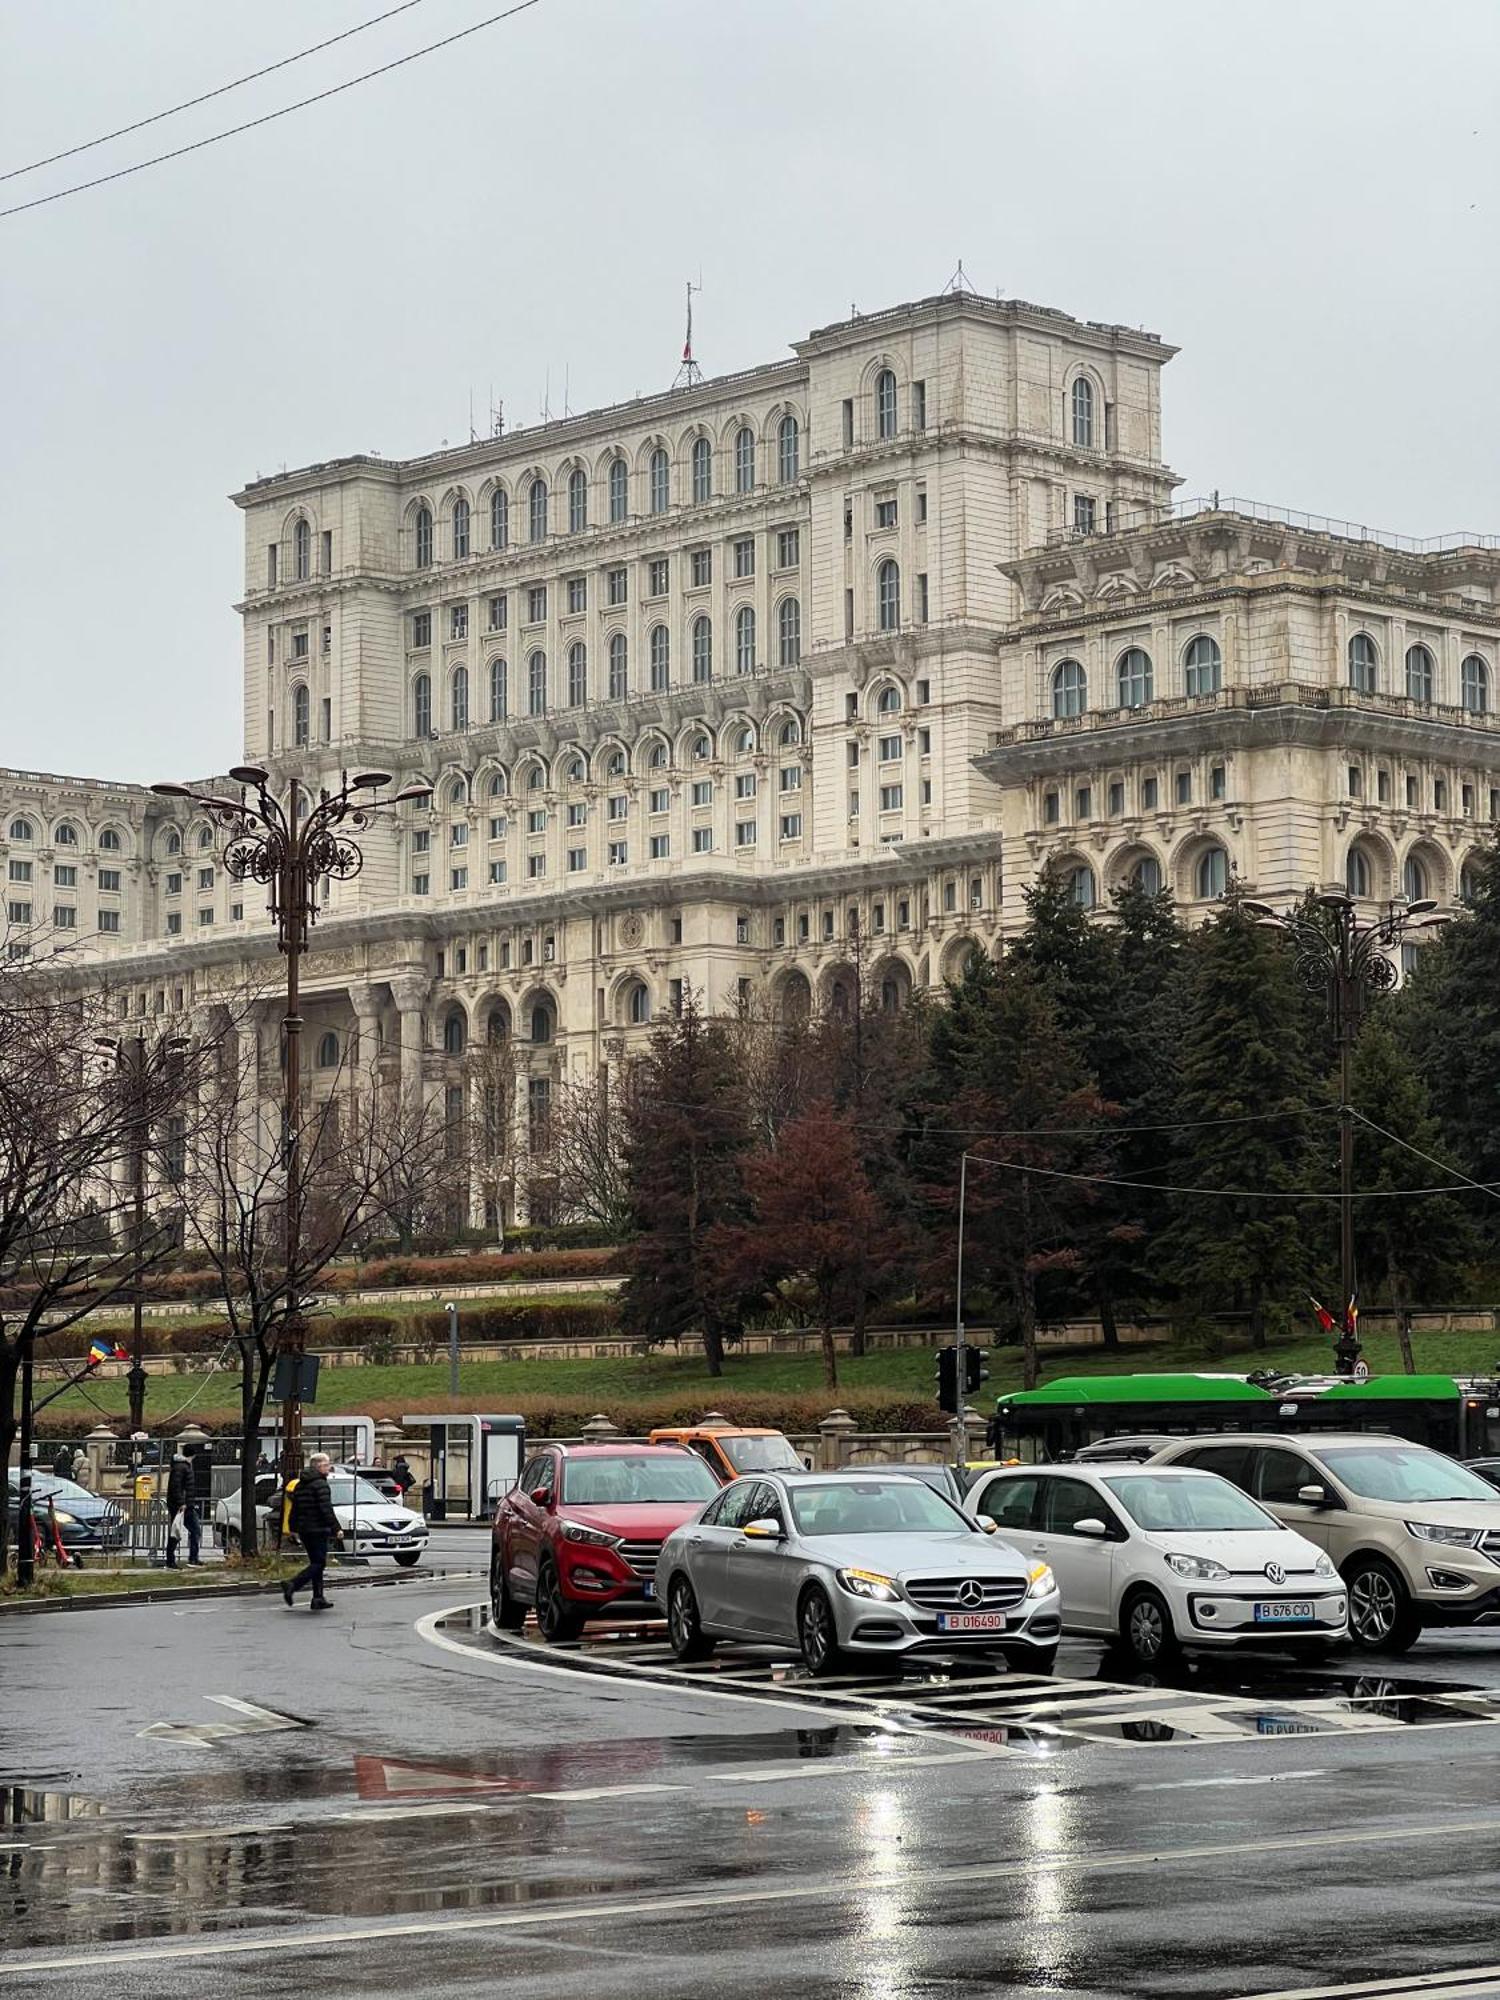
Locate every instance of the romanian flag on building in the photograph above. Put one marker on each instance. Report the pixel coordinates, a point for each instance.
(106, 1350)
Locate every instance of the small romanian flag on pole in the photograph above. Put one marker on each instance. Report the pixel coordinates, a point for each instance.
(1325, 1317)
(106, 1350)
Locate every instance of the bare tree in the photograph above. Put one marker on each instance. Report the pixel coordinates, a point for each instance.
(581, 1167)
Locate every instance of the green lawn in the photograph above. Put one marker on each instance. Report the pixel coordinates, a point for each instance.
(903, 1372)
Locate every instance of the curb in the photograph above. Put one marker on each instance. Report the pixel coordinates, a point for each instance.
(117, 1600)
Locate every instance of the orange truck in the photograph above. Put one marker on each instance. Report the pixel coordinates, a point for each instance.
(730, 1449)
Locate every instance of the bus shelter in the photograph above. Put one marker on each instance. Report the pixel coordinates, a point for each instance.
(474, 1461)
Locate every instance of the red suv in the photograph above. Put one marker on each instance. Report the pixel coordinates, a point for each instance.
(581, 1529)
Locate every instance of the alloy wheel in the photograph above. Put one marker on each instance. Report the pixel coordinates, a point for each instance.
(1372, 1606)
(682, 1622)
(1148, 1635)
(817, 1630)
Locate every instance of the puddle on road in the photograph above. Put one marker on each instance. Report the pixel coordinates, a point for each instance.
(41, 1802)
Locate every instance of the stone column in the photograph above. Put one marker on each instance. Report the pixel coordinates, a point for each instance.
(363, 1082)
(409, 990)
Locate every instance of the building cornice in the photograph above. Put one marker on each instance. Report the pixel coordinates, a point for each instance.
(863, 329)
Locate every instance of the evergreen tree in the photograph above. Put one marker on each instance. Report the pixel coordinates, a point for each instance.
(687, 1135)
(1247, 1079)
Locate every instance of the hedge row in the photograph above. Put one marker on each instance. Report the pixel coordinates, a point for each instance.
(534, 1267)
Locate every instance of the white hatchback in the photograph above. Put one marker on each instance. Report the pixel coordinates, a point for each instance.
(1162, 1557)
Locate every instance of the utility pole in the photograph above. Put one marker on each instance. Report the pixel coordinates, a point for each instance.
(452, 1311)
(25, 1542)
(960, 1372)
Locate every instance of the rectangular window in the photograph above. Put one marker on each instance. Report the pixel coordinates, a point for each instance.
(421, 629)
(903, 915)
(236, 913)
(299, 645)
(577, 812)
(1355, 776)
(921, 506)
(618, 853)
(853, 756)
(890, 798)
(802, 927)
(65, 876)
(109, 920)
(484, 958)
(499, 827)
(924, 742)
(744, 556)
(205, 918)
(536, 603)
(889, 749)
(458, 878)
(791, 826)
(174, 923)
(420, 884)
(1411, 793)
(919, 406)
(504, 949)
(458, 834)
(273, 558)
(1468, 801)
(854, 805)
(618, 806)
(877, 917)
(1216, 781)
(1383, 786)
(65, 917)
(497, 871)
(703, 792)
(1184, 788)
(827, 924)
(20, 871)
(778, 931)
(1149, 793)
(788, 548)
(744, 785)
(922, 597)
(1083, 802)
(927, 791)
(658, 577)
(848, 423)
(1494, 803)
(577, 859)
(458, 621)
(885, 513)
(660, 800)
(1116, 797)
(703, 840)
(328, 552)
(536, 820)
(701, 567)
(326, 721)
(1051, 809)
(327, 638)
(791, 777)
(578, 593)
(499, 612)
(205, 878)
(1083, 514)
(661, 846)
(109, 881)
(924, 694)
(615, 587)
(536, 864)
(1439, 796)
(421, 839)
(744, 833)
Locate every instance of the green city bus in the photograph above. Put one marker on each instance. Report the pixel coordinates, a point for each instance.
(1058, 1420)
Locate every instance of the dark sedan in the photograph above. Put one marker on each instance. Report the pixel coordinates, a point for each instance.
(86, 1523)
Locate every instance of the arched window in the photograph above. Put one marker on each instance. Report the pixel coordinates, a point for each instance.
(424, 538)
(885, 404)
(536, 683)
(656, 757)
(1133, 677)
(497, 1027)
(888, 701)
(888, 596)
(703, 470)
(1211, 876)
(459, 698)
(619, 490)
(659, 481)
(744, 742)
(703, 748)
(1419, 674)
(614, 764)
(1083, 412)
(661, 659)
(639, 1004)
(20, 829)
(744, 460)
(302, 551)
(67, 836)
(421, 705)
(541, 1021)
(788, 450)
(499, 690)
(301, 714)
(1474, 685)
(536, 506)
(109, 838)
(1362, 658)
(744, 639)
(578, 674)
(791, 733)
(460, 527)
(618, 666)
(1081, 885)
(578, 501)
(455, 1034)
(703, 649)
(328, 1051)
(1146, 875)
(499, 519)
(499, 785)
(536, 778)
(110, 842)
(789, 632)
(1357, 872)
(1203, 666)
(1070, 688)
(1414, 880)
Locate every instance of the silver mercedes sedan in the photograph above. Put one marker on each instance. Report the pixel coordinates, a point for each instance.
(840, 1565)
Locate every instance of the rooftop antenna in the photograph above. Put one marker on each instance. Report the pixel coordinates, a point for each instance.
(473, 434)
(567, 378)
(497, 415)
(689, 373)
(961, 281)
(547, 399)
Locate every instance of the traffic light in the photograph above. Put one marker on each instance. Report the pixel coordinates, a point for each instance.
(947, 1376)
(976, 1369)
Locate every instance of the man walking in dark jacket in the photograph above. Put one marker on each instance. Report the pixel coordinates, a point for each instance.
(315, 1525)
(182, 1508)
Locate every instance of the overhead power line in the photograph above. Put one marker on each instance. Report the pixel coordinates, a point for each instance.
(205, 97)
(269, 117)
(1223, 1193)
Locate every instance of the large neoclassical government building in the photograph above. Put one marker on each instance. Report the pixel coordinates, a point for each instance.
(706, 682)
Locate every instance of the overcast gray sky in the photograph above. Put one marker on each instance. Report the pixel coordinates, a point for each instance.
(1304, 197)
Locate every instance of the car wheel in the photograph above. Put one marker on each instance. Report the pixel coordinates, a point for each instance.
(818, 1635)
(1146, 1628)
(1382, 1617)
(554, 1615)
(409, 1558)
(684, 1625)
(505, 1614)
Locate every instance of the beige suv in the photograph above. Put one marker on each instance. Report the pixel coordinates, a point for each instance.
(1415, 1535)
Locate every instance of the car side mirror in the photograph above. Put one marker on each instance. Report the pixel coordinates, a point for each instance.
(762, 1531)
(541, 1496)
(988, 1526)
(1091, 1525)
(1314, 1495)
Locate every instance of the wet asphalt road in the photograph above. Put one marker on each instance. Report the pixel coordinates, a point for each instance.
(371, 1802)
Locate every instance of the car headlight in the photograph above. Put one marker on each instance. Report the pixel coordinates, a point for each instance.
(1428, 1531)
(869, 1583)
(64, 1519)
(1202, 1569)
(1323, 1567)
(1040, 1580)
(575, 1531)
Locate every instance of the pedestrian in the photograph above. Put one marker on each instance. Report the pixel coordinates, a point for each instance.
(62, 1465)
(403, 1475)
(315, 1525)
(83, 1471)
(182, 1509)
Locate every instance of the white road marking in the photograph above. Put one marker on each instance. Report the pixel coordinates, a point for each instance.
(599, 1910)
(1214, 1784)
(1449, 1985)
(254, 1721)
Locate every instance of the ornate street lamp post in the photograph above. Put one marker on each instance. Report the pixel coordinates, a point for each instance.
(1347, 961)
(290, 845)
